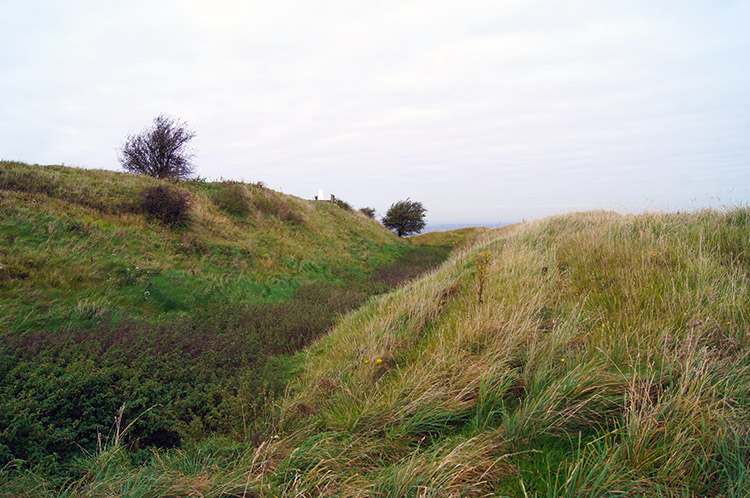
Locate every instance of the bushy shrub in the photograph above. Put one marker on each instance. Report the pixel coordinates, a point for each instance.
(167, 204)
(343, 204)
(368, 211)
(232, 199)
(160, 151)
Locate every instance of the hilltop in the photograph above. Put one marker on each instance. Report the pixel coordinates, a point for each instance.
(105, 309)
(591, 354)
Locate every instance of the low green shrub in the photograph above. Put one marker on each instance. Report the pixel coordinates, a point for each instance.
(178, 378)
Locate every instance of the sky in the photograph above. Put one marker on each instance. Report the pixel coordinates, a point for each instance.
(487, 112)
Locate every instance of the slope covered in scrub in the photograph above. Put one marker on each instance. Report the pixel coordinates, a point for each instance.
(104, 309)
(590, 354)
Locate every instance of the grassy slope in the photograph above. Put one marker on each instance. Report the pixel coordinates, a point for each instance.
(454, 238)
(610, 354)
(102, 308)
(609, 357)
(79, 236)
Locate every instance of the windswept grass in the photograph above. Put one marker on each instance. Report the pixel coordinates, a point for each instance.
(608, 357)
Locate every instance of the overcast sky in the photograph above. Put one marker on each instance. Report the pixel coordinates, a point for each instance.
(486, 111)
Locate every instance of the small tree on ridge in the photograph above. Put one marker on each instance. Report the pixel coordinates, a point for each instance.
(159, 151)
(405, 217)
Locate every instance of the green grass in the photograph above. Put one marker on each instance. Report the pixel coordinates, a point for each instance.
(605, 355)
(609, 358)
(188, 328)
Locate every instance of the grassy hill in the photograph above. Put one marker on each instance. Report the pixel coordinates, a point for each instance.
(587, 355)
(106, 310)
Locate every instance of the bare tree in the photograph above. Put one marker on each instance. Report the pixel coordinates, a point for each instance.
(160, 151)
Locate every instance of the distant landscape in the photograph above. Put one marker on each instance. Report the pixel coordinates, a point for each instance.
(268, 345)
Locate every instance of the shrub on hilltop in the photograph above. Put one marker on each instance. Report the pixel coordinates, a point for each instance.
(343, 204)
(167, 204)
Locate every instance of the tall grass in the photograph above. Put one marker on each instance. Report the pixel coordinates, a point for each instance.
(608, 357)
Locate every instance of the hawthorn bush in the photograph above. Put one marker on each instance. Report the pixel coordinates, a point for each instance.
(167, 204)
